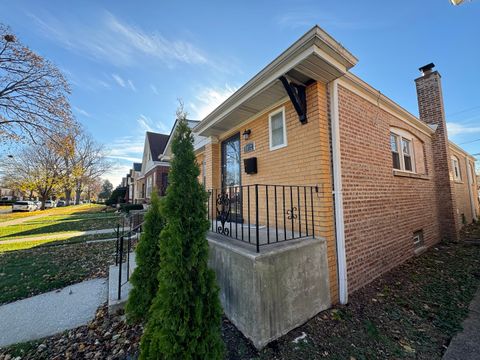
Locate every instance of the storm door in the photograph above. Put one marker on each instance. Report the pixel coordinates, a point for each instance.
(231, 176)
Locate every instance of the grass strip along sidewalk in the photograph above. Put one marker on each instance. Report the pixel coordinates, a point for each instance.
(45, 268)
(57, 224)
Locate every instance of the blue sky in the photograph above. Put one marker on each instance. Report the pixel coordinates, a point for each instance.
(129, 62)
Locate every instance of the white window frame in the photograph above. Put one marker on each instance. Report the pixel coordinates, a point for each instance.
(418, 239)
(149, 186)
(281, 110)
(403, 135)
(456, 168)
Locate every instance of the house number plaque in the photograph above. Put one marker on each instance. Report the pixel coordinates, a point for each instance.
(249, 147)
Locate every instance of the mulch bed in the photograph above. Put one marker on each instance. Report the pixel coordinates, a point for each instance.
(110, 337)
(410, 312)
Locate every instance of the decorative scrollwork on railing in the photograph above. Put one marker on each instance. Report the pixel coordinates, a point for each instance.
(223, 212)
(291, 213)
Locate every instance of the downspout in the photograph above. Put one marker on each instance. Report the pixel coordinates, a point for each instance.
(338, 195)
(470, 184)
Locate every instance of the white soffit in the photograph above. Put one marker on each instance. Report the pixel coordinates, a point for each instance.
(315, 57)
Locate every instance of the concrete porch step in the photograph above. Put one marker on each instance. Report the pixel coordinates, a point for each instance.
(114, 303)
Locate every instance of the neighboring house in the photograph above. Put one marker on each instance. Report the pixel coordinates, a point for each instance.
(319, 183)
(7, 194)
(154, 172)
(132, 190)
(199, 143)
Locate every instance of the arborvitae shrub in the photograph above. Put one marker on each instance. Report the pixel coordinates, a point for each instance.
(185, 319)
(147, 256)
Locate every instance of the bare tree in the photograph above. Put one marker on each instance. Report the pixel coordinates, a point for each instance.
(33, 93)
(38, 168)
(90, 163)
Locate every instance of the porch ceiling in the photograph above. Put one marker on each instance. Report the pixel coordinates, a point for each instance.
(315, 57)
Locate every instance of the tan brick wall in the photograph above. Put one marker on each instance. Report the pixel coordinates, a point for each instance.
(381, 210)
(462, 191)
(304, 161)
(212, 158)
(199, 157)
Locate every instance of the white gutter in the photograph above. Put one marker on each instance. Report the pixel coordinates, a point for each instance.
(470, 185)
(337, 184)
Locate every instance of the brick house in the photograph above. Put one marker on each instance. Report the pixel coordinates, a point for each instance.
(319, 183)
(153, 173)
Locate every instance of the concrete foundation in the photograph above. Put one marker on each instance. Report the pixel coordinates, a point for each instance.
(268, 294)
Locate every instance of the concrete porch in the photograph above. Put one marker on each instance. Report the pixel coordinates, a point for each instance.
(266, 294)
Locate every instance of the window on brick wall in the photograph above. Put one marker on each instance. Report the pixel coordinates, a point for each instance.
(401, 144)
(456, 168)
(418, 239)
(277, 129)
(204, 173)
(395, 152)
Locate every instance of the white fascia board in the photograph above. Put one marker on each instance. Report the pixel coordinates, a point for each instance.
(249, 90)
(460, 150)
(364, 90)
(169, 142)
(316, 41)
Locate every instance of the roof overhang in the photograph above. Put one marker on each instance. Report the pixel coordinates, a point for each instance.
(366, 91)
(460, 150)
(316, 56)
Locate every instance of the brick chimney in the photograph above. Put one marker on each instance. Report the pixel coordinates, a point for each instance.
(432, 111)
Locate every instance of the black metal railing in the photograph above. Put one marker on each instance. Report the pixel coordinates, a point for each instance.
(262, 214)
(128, 230)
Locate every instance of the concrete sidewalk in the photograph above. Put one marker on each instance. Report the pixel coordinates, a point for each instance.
(466, 344)
(50, 313)
(59, 235)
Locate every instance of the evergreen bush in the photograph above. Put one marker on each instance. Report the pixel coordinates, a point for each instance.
(185, 317)
(147, 256)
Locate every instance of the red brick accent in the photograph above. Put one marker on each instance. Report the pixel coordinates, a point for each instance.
(430, 105)
(158, 170)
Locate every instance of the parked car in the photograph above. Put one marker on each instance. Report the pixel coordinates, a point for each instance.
(50, 204)
(61, 203)
(38, 204)
(23, 206)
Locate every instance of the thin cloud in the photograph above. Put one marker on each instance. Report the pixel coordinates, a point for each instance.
(124, 83)
(118, 79)
(117, 42)
(82, 112)
(130, 84)
(117, 172)
(306, 17)
(128, 149)
(456, 129)
(154, 89)
(155, 44)
(207, 99)
(147, 124)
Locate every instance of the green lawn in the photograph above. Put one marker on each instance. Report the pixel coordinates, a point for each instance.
(34, 271)
(23, 245)
(59, 223)
(67, 210)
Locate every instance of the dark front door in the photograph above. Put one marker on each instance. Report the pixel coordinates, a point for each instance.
(231, 178)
